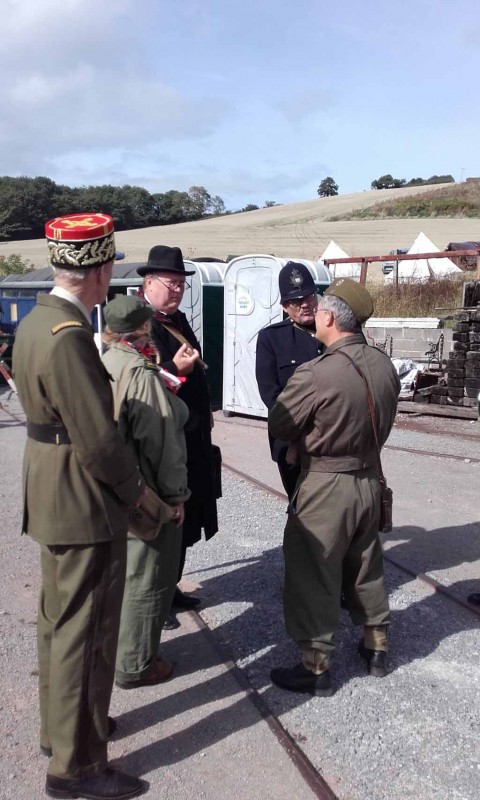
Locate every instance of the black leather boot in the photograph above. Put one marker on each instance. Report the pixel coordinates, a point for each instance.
(110, 785)
(376, 660)
(185, 601)
(300, 679)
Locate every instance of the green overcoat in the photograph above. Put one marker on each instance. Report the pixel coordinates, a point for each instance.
(151, 420)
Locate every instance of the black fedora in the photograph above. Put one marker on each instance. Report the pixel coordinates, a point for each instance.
(164, 259)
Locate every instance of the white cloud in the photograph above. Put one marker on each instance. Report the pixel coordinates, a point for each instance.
(75, 80)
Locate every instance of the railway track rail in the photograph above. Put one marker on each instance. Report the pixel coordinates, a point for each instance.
(317, 784)
(422, 577)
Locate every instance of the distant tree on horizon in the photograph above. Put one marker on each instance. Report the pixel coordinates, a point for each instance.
(388, 182)
(327, 188)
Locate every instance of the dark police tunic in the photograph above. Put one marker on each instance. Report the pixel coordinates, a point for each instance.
(281, 348)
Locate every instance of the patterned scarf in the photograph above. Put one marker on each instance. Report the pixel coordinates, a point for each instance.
(152, 359)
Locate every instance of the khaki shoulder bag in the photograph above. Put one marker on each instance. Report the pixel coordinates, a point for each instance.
(145, 519)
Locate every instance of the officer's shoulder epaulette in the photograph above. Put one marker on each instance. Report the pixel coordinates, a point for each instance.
(71, 323)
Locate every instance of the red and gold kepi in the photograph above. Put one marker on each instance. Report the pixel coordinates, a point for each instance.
(80, 241)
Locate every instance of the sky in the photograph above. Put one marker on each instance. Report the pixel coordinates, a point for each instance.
(257, 100)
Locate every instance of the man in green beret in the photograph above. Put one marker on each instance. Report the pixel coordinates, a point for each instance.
(331, 542)
(79, 482)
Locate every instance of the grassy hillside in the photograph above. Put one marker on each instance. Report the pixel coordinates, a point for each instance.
(456, 201)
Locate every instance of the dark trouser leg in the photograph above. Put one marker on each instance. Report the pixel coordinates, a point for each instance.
(78, 623)
(289, 474)
(149, 587)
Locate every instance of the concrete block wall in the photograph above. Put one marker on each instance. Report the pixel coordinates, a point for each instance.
(411, 342)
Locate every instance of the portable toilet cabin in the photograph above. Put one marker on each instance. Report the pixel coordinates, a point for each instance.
(202, 304)
(252, 302)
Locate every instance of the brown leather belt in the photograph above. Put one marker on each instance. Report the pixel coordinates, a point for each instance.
(48, 434)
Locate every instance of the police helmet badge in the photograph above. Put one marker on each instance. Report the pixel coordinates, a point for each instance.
(296, 278)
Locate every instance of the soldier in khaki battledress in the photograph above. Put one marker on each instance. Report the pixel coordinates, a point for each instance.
(79, 482)
(333, 518)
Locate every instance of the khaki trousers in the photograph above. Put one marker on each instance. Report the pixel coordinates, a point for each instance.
(331, 544)
(152, 571)
(78, 620)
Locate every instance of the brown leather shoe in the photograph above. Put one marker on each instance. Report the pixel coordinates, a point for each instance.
(112, 727)
(110, 785)
(158, 672)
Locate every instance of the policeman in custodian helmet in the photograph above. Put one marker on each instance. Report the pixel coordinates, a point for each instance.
(282, 347)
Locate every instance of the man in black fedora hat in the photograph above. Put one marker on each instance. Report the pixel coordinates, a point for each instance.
(164, 281)
(282, 347)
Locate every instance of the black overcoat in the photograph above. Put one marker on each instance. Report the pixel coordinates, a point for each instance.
(201, 509)
(281, 348)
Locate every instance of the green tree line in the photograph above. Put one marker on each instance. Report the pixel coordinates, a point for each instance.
(389, 182)
(27, 203)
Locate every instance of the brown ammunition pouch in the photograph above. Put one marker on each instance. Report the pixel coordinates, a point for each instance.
(386, 507)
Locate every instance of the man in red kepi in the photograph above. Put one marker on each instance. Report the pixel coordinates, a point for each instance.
(79, 481)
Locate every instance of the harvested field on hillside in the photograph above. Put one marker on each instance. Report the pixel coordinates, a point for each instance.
(294, 230)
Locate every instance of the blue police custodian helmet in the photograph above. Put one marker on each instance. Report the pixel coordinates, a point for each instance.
(295, 282)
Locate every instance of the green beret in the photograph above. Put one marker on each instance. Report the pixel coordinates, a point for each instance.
(355, 295)
(126, 313)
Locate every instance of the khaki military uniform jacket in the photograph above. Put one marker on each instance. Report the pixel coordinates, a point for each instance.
(75, 493)
(151, 420)
(324, 407)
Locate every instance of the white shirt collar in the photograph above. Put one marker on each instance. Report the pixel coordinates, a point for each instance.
(59, 291)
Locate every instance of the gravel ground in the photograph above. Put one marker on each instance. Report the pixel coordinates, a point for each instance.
(413, 734)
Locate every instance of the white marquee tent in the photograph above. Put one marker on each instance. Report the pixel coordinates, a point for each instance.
(421, 268)
(340, 270)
